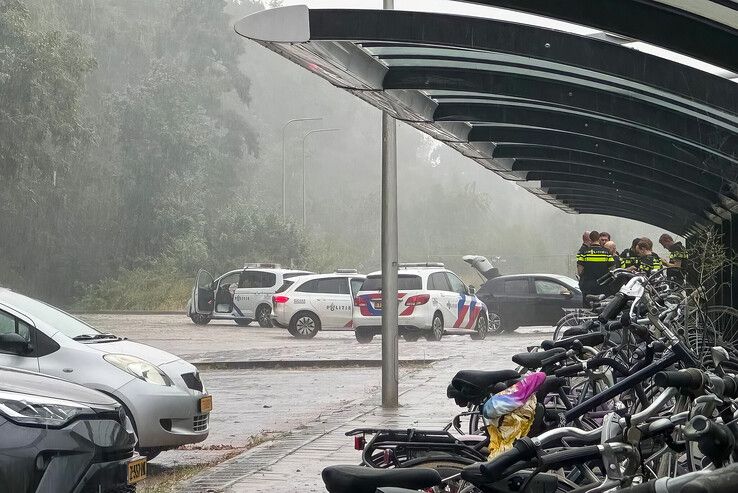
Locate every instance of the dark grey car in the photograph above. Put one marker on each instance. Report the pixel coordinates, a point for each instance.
(59, 437)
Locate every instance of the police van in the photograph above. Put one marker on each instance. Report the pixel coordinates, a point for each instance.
(241, 295)
(433, 302)
(308, 304)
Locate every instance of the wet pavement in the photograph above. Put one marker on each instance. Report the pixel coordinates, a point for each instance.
(302, 412)
(226, 341)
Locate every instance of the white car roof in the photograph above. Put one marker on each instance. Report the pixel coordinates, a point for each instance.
(323, 276)
(415, 271)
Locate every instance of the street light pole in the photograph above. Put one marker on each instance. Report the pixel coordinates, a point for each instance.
(320, 130)
(390, 333)
(284, 164)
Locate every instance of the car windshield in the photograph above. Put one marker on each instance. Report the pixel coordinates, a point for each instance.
(404, 282)
(61, 321)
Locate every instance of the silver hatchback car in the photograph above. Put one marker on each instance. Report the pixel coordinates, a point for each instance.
(161, 393)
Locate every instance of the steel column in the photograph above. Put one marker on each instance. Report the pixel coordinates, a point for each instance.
(390, 347)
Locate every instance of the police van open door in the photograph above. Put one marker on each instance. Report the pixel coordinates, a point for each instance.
(203, 298)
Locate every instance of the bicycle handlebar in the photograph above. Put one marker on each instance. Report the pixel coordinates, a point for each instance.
(689, 379)
(523, 450)
(720, 481)
(613, 308)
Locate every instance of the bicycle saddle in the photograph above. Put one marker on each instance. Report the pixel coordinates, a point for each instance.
(533, 361)
(360, 479)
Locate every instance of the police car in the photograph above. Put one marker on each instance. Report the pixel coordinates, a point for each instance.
(241, 295)
(433, 301)
(308, 304)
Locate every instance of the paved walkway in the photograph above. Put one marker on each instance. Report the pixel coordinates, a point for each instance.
(299, 457)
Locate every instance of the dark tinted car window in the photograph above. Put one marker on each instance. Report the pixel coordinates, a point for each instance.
(308, 287)
(257, 279)
(516, 286)
(405, 282)
(284, 286)
(333, 285)
(437, 281)
(457, 285)
(548, 287)
(356, 285)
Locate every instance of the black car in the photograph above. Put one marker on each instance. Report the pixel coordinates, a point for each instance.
(60, 437)
(528, 299)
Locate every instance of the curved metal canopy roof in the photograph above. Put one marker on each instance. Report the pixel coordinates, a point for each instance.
(588, 125)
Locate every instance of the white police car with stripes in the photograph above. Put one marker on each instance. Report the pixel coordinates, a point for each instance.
(433, 301)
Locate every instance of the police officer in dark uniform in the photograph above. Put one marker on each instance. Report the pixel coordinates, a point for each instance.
(593, 263)
(648, 261)
(678, 262)
(629, 257)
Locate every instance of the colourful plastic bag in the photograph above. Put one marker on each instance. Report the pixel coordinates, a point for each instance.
(511, 413)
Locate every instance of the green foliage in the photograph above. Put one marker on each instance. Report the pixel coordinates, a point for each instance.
(160, 285)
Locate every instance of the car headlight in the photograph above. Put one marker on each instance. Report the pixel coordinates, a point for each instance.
(139, 368)
(33, 410)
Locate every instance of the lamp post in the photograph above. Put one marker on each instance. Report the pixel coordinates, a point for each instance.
(284, 163)
(311, 132)
(390, 333)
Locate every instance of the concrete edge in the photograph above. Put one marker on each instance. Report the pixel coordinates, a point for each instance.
(287, 364)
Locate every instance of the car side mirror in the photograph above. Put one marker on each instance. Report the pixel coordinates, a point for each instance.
(472, 290)
(14, 343)
(565, 293)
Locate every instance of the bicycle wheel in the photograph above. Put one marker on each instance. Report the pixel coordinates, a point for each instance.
(569, 320)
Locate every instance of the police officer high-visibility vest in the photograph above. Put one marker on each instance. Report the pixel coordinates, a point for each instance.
(649, 263)
(628, 258)
(596, 262)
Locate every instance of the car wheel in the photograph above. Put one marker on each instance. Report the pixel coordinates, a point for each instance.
(494, 323)
(263, 315)
(243, 322)
(305, 325)
(363, 336)
(412, 336)
(291, 329)
(199, 319)
(436, 332)
(481, 328)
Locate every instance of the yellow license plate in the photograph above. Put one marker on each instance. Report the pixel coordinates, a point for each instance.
(136, 470)
(206, 404)
(378, 305)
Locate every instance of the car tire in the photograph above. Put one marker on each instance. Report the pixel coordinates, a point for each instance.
(291, 330)
(364, 336)
(411, 336)
(243, 322)
(199, 319)
(481, 327)
(305, 325)
(263, 314)
(436, 331)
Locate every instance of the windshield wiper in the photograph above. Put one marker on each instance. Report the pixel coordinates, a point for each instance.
(90, 337)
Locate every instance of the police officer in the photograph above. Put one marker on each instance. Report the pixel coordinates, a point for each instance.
(647, 260)
(593, 263)
(678, 259)
(629, 257)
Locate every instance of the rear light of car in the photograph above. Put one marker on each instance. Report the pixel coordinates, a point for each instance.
(280, 299)
(359, 301)
(418, 299)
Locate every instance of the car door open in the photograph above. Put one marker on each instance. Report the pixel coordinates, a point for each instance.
(203, 295)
